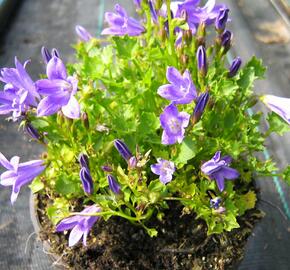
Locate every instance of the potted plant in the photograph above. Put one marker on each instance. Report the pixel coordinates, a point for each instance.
(151, 143)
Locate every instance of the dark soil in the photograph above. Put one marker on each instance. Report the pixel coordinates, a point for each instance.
(182, 243)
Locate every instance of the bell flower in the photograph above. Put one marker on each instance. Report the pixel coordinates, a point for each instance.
(174, 123)
(19, 174)
(164, 169)
(59, 90)
(218, 169)
(181, 89)
(83, 34)
(19, 93)
(278, 105)
(120, 24)
(79, 225)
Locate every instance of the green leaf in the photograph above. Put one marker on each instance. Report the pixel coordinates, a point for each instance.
(188, 150)
(66, 185)
(152, 232)
(149, 122)
(124, 46)
(59, 210)
(286, 174)
(67, 154)
(258, 67)
(36, 185)
(277, 124)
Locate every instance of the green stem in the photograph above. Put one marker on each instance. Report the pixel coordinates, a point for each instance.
(148, 214)
(176, 199)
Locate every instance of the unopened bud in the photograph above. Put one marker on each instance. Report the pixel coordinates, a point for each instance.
(106, 168)
(123, 149)
(85, 120)
(184, 59)
(84, 160)
(235, 66)
(132, 163)
(32, 131)
(201, 60)
(87, 180)
(221, 20)
(187, 35)
(202, 100)
(113, 184)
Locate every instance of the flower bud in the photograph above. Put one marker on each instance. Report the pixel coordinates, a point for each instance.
(46, 56)
(113, 185)
(201, 60)
(158, 4)
(132, 162)
(87, 180)
(122, 149)
(202, 100)
(30, 129)
(187, 35)
(163, 34)
(83, 34)
(153, 12)
(226, 40)
(184, 59)
(84, 160)
(221, 20)
(137, 3)
(235, 66)
(106, 168)
(200, 35)
(85, 120)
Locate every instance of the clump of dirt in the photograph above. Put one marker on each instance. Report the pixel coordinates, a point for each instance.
(182, 243)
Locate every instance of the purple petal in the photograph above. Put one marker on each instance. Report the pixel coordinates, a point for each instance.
(156, 168)
(72, 109)
(49, 105)
(228, 159)
(5, 163)
(15, 162)
(218, 176)
(167, 140)
(217, 156)
(165, 178)
(229, 173)
(26, 81)
(120, 10)
(8, 178)
(173, 76)
(278, 105)
(56, 69)
(53, 87)
(169, 92)
(75, 235)
(67, 223)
